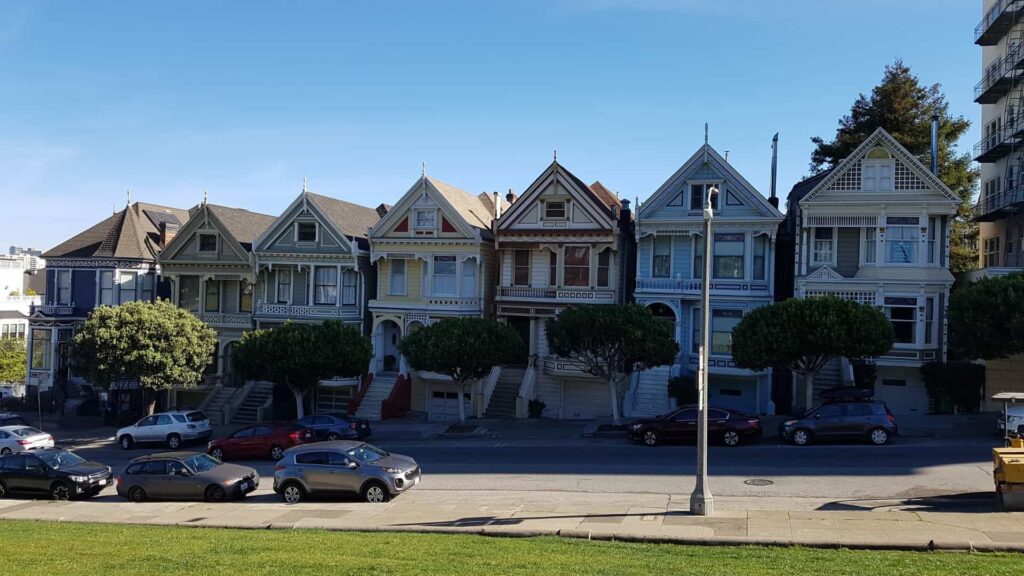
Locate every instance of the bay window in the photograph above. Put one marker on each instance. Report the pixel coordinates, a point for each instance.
(245, 296)
(349, 284)
(521, 268)
(824, 246)
(553, 269)
(929, 320)
(284, 286)
(698, 256)
(662, 264)
(188, 293)
(604, 261)
(325, 285)
(64, 287)
(932, 234)
(728, 254)
(444, 280)
(869, 244)
(106, 287)
(902, 313)
(760, 256)
(577, 266)
(396, 280)
(901, 238)
(212, 288)
(126, 287)
(41, 351)
(146, 288)
(469, 278)
(722, 323)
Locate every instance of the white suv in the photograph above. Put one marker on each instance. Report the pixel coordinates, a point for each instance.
(170, 428)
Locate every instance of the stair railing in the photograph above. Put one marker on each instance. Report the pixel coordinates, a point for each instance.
(234, 402)
(526, 389)
(214, 391)
(490, 383)
(353, 405)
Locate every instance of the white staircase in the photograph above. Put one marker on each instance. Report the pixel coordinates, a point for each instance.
(651, 396)
(829, 377)
(214, 405)
(380, 389)
(249, 409)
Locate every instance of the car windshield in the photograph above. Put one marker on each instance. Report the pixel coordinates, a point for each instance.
(366, 453)
(196, 416)
(60, 460)
(26, 431)
(201, 463)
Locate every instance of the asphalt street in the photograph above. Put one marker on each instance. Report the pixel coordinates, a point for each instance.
(904, 469)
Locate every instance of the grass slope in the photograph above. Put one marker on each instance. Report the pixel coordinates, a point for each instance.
(41, 548)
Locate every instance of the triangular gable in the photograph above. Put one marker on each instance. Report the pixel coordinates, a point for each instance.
(522, 210)
(204, 219)
(301, 207)
(398, 218)
(707, 164)
(908, 174)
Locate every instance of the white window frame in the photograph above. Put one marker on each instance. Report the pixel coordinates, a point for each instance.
(317, 284)
(915, 232)
(742, 256)
(766, 257)
(869, 246)
(933, 236)
(423, 212)
(930, 314)
(609, 279)
(813, 235)
(106, 284)
(565, 210)
(278, 283)
(392, 275)
(590, 265)
(349, 290)
(468, 278)
(886, 309)
(316, 233)
(434, 276)
(199, 243)
(62, 299)
(716, 202)
(529, 269)
(655, 255)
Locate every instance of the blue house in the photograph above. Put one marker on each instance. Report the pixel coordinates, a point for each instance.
(111, 263)
(670, 252)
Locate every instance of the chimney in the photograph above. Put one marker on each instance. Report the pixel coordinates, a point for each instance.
(511, 196)
(625, 209)
(382, 209)
(168, 230)
(497, 205)
(935, 144)
(773, 199)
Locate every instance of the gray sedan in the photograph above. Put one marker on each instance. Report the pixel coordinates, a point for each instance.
(185, 476)
(343, 467)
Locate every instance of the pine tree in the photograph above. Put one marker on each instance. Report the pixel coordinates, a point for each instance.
(903, 107)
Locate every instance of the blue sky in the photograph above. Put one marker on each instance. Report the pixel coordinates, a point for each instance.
(245, 99)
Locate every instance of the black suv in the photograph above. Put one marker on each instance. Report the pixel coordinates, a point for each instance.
(59, 474)
(336, 427)
(869, 421)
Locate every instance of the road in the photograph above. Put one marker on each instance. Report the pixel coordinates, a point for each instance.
(905, 469)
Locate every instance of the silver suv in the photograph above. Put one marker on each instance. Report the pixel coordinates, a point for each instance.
(343, 467)
(169, 428)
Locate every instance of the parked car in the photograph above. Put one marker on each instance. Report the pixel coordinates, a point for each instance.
(170, 428)
(185, 476)
(869, 421)
(336, 427)
(60, 474)
(11, 419)
(265, 440)
(21, 438)
(729, 427)
(343, 467)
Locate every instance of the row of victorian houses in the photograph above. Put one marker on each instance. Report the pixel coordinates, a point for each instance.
(873, 229)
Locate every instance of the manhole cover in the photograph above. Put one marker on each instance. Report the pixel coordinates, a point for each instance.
(758, 482)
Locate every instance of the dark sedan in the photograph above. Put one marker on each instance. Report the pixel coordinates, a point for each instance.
(336, 427)
(185, 476)
(59, 474)
(729, 427)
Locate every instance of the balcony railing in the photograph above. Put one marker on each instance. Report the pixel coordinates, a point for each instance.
(454, 302)
(693, 286)
(227, 319)
(999, 76)
(555, 366)
(557, 295)
(997, 145)
(55, 309)
(297, 311)
(996, 206)
(996, 22)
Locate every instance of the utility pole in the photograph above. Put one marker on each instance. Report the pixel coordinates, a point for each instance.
(701, 501)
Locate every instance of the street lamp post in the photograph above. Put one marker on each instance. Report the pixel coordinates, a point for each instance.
(701, 501)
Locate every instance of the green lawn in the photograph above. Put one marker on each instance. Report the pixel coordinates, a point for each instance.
(32, 548)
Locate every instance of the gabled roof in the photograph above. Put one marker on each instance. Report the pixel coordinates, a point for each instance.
(880, 136)
(243, 225)
(352, 220)
(609, 198)
(477, 211)
(599, 198)
(132, 233)
(803, 187)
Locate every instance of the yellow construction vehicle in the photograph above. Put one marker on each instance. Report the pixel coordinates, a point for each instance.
(1008, 462)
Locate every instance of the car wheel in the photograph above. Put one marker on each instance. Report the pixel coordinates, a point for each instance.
(731, 438)
(293, 493)
(5, 451)
(333, 436)
(60, 491)
(216, 493)
(276, 453)
(801, 437)
(878, 436)
(651, 438)
(217, 453)
(126, 442)
(137, 494)
(375, 493)
(173, 441)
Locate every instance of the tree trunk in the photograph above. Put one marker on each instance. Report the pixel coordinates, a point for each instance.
(613, 393)
(808, 390)
(300, 405)
(149, 399)
(462, 403)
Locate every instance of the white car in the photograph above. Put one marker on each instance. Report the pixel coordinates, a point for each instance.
(170, 428)
(22, 438)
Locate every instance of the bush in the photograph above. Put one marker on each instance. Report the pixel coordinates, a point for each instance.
(536, 407)
(954, 385)
(683, 389)
(864, 374)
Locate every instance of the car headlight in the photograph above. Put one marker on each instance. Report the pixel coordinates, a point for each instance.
(79, 478)
(789, 422)
(393, 470)
(637, 426)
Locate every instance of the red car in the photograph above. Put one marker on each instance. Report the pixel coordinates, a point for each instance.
(264, 440)
(729, 427)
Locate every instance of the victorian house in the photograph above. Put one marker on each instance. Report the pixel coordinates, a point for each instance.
(875, 229)
(670, 267)
(435, 259)
(209, 265)
(312, 264)
(561, 243)
(111, 263)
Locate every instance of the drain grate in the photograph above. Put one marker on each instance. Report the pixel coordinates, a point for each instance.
(758, 482)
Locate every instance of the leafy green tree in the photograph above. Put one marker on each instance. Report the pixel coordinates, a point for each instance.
(954, 385)
(803, 335)
(465, 349)
(156, 344)
(903, 107)
(986, 319)
(13, 360)
(299, 356)
(607, 341)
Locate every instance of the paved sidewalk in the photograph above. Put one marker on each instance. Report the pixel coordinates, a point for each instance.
(654, 518)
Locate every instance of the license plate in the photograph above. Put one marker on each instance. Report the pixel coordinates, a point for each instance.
(103, 482)
(245, 485)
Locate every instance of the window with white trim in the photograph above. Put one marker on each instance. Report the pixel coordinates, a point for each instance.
(245, 296)
(902, 235)
(126, 287)
(305, 231)
(469, 278)
(425, 219)
(729, 249)
(553, 269)
(604, 264)
(41, 348)
(991, 248)
(870, 233)
(207, 242)
(349, 287)
(555, 210)
(760, 257)
(929, 320)
(698, 256)
(188, 293)
(876, 171)
(396, 278)
(146, 287)
(325, 285)
(824, 246)
(444, 276)
(698, 193)
(902, 313)
(933, 225)
(63, 287)
(284, 286)
(576, 271)
(722, 323)
(521, 268)
(106, 287)
(212, 288)
(662, 263)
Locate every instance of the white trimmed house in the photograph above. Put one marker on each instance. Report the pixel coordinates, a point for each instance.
(669, 270)
(875, 229)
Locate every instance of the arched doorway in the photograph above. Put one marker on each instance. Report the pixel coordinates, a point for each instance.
(389, 333)
(662, 311)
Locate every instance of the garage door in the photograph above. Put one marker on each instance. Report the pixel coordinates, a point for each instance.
(585, 400)
(735, 393)
(444, 406)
